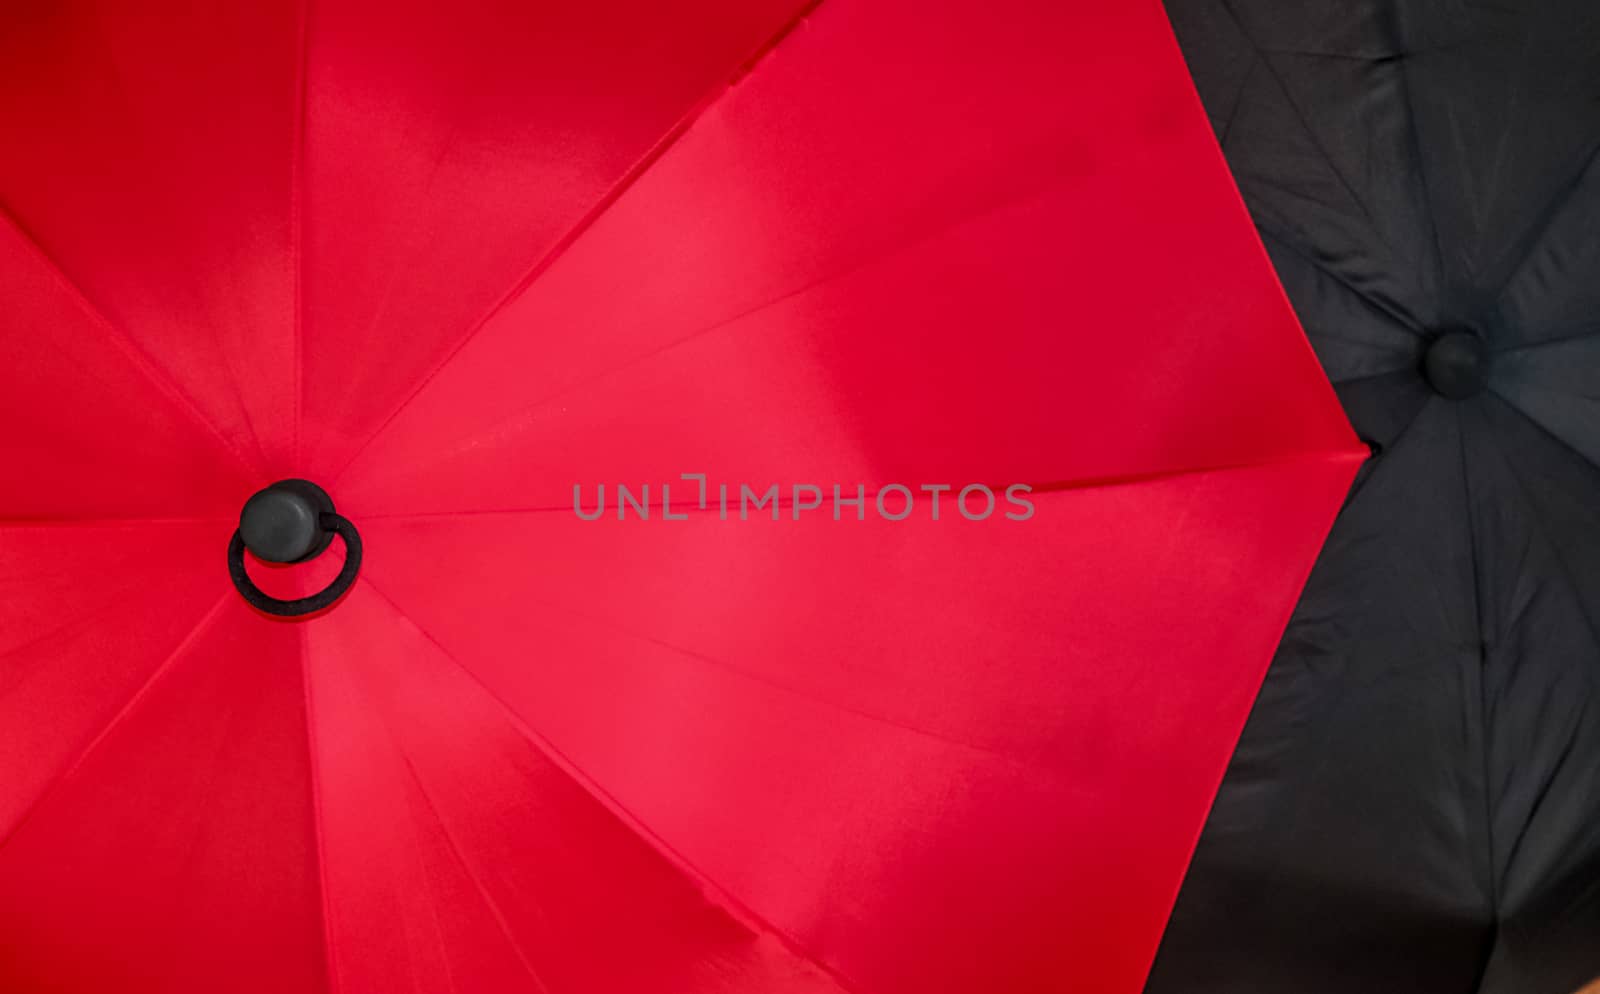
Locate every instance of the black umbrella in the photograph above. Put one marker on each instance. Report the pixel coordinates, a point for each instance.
(1415, 805)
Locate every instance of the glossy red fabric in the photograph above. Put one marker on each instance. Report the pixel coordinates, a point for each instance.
(450, 261)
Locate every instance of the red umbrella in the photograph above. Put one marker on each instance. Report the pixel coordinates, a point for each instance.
(461, 264)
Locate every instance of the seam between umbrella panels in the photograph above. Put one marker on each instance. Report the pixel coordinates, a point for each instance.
(112, 601)
(1536, 234)
(709, 888)
(131, 350)
(318, 827)
(117, 719)
(1350, 453)
(461, 861)
(1264, 59)
(1297, 458)
(1556, 551)
(1390, 313)
(1414, 131)
(1544, 429)
(17, 523)
(297, 165)
(1564, 338)
(1484, 748)
(589, 218)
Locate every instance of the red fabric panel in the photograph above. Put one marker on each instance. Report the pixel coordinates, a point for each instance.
(149, 150)
(910, 244)
(942, 757)
(451, 147)
(461, 856)
(83, 403)
(178, 854)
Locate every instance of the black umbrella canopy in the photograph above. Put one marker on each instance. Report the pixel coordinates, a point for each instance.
(1415, 804)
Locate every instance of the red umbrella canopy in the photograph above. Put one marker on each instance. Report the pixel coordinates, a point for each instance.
(462, 264)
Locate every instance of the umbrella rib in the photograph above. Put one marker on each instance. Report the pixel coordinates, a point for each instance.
(1537, 423)
(159, 378)
(6, 523)
(1369, 60)
(1054, 486)
(1315, 332)
(1547, 782)
(297, 165)
(318, 824)
(1238, 100)
(461, 861)
(1322, 150)
(1484, 757)
(466, 512)
(1593, 331)
(1352, 454)
(71, 768)
(587, 221)
(1392, 313)
(1546, 220)
(743, 673)
(1415, 131)
(109, 602)
(1264, 58)
(1538, 518)
(1381, 374)
(1589, 623)
(730, 904)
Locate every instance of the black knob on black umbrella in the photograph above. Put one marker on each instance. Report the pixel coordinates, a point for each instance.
(290, 522)
(1456, 364)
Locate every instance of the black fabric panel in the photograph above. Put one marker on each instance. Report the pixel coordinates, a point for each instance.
(1415, 803)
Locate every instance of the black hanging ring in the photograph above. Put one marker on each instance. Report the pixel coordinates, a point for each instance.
(329, 521)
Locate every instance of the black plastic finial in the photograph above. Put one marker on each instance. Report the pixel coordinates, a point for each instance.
(1456, 365)
(290, 522)
(279, 524)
